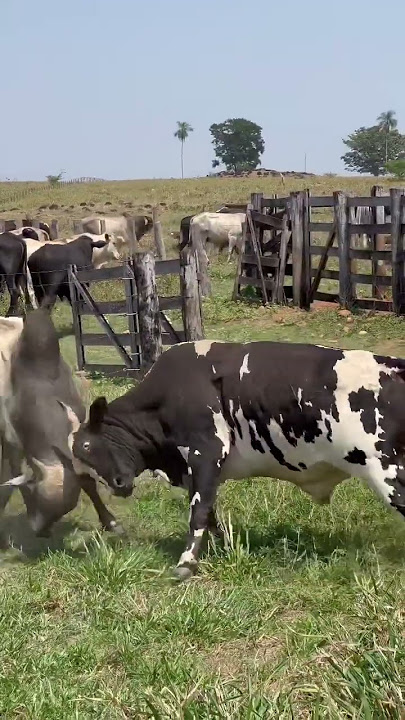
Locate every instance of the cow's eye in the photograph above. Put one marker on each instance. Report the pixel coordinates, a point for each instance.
(86, 445)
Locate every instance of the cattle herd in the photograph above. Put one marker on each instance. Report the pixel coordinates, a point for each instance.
(33, 266)
(205, 413)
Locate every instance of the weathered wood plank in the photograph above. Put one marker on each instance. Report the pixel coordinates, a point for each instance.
(306, 257)
(112, 273)
(266, 261)
(318, 272)
(107, 307)
(321, 226)
(256, 249)
(369, 229)
(296, 215)
(342, 228)
(77, 322)
(191, 299)
(268, 221)
(256, 282)
(148, 305)
(374, 304)
(362, 279)
(368, 201)
(397, 248)
(322, 201)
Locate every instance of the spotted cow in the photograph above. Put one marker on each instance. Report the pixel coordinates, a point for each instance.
(209, 411)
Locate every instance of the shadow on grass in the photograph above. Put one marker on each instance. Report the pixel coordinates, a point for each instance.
(306, 544)
(16, 534)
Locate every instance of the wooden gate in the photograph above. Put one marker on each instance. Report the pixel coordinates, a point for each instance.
(145, 326)
(83, 304)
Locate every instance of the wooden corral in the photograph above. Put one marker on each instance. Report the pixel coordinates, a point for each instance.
(280, 267)
(145, 312)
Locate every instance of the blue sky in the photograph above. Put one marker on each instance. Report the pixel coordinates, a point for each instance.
(96, 86)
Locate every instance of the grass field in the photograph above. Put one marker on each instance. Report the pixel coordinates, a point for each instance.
(299, 614)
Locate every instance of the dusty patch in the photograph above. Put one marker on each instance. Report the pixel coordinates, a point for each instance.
(233, 658)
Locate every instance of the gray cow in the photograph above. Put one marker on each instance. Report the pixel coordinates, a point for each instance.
(40, 407)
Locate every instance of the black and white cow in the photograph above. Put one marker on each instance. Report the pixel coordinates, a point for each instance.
(211, 411)
(48, 267)
(40, 407)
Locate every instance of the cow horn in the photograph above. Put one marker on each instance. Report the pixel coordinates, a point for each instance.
(18, 481)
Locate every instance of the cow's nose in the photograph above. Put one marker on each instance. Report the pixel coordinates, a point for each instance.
(121, 487)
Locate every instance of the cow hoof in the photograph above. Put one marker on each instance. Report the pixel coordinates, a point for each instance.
(115, 528)
(182, 573)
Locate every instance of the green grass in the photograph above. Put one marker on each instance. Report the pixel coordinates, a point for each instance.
(298, 614)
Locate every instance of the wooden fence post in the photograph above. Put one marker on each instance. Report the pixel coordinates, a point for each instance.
(77, 320)
(306, 252)
(378, 267)
(148, 308)
(343, 235)
(397, 245)
(202, 262)
(297, 228)
(190, 293)
(77, 227)
(236, 286)
(157, 233)
(54, 229)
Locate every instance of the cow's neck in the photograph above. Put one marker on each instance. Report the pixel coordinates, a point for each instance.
(131, 437)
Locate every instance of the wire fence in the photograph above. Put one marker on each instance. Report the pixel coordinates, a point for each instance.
(18, 195)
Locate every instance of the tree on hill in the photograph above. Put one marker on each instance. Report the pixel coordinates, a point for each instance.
(372, 148)
(182, 133)
(238, 144)
(397, 169)
(387, 122)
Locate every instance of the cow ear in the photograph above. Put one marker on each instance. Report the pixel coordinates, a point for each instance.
(97, 412)
(107, 237)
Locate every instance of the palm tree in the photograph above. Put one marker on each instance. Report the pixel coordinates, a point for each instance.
(386, 122)
(182, 133)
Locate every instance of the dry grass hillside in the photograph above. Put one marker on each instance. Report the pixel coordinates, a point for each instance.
(175, 198)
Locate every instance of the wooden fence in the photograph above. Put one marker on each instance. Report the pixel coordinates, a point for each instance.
(280, 266)
(148, 327)
(16, 224)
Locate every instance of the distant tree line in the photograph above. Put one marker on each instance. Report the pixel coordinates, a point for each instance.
(238, 145)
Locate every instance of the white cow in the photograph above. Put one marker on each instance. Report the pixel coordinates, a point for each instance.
(118, 225)
(221, 230)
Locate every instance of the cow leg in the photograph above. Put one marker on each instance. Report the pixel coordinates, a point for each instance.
(107, 519)
(203, 489)
(14, 295)
(30, 299)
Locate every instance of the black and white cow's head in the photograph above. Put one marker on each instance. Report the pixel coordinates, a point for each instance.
(109, 458)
